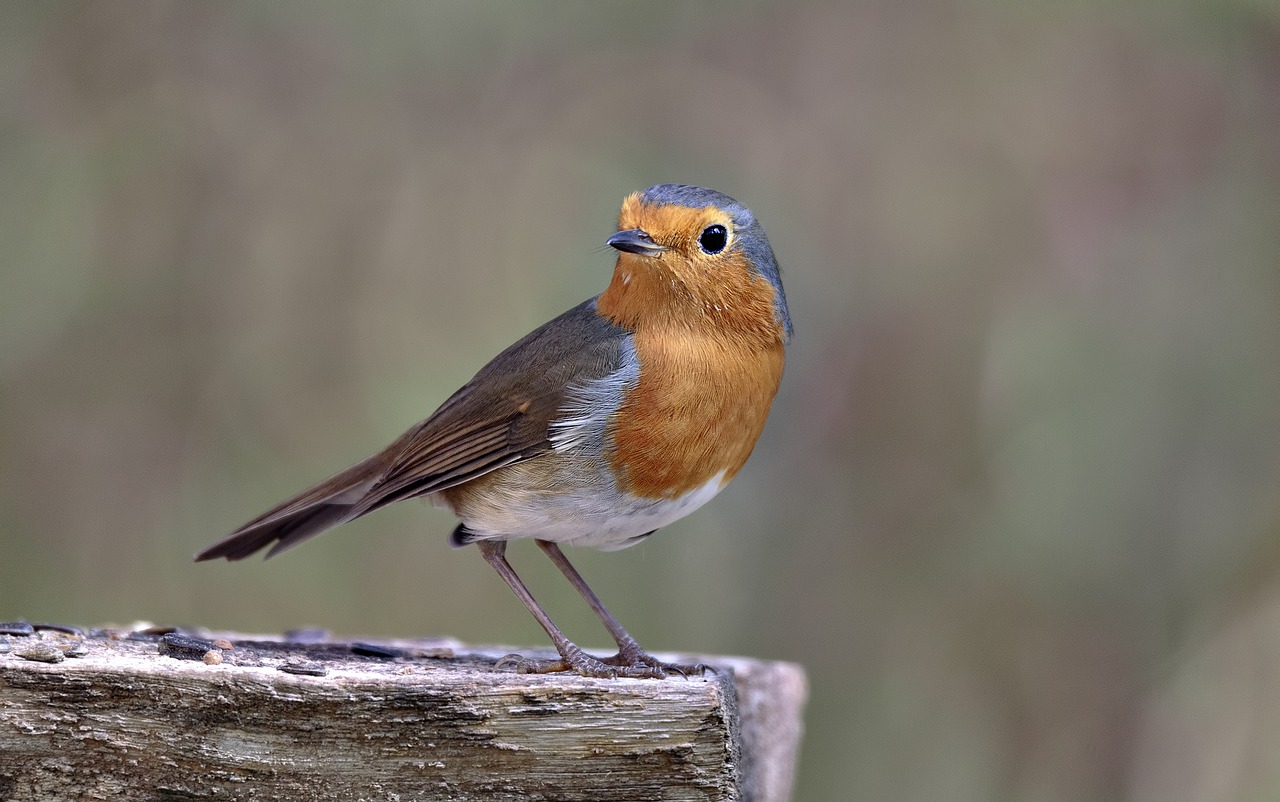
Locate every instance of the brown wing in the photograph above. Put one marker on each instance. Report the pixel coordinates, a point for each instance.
(500, 417)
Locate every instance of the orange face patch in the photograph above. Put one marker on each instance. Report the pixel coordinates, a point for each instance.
(683, 287)
(676, 227)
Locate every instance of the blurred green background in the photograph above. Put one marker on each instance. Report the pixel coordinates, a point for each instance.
(1016, 508)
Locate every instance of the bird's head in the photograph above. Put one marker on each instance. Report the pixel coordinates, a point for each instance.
(694, 258)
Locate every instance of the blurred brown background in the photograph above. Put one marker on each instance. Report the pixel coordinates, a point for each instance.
(1016, 509)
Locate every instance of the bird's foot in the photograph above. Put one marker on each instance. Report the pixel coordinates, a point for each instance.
(630, 661)
(630, 654)
(588, 667)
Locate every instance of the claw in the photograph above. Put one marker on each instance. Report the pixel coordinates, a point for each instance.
(531, 665)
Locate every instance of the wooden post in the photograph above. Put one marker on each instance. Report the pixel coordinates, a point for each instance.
(156, 715)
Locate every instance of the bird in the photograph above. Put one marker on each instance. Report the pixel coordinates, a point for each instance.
(622, 415)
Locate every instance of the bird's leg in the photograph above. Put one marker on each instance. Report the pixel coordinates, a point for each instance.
(629, 652)
(572, 658)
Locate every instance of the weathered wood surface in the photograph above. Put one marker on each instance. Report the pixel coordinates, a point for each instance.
(401, 720)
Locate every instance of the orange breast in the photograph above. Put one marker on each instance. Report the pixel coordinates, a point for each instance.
(696, 411)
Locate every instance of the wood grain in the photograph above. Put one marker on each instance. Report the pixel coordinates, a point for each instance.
(270, 719)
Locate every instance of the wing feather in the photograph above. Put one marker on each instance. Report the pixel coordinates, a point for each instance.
(504, 415)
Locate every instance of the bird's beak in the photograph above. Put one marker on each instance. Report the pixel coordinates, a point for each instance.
(635, 240)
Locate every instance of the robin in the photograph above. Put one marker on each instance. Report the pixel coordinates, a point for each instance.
(626, 413)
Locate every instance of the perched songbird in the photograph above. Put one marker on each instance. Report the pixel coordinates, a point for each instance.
(625, 413)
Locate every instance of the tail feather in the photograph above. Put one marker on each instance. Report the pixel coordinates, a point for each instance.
(285, 533)
(309, 513)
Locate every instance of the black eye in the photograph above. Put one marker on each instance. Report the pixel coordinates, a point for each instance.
(713, 238)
